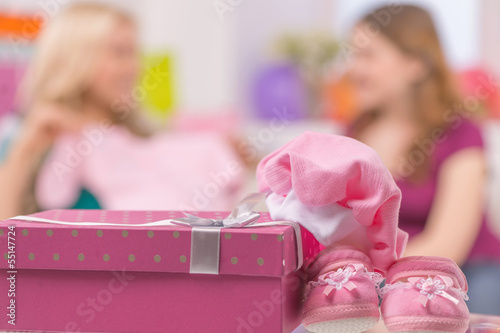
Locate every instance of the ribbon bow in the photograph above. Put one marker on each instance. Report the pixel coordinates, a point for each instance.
(430, 287)
(205, 235)
(341, 278)
(240, 216)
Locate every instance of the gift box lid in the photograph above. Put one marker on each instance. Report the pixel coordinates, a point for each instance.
(260, 251)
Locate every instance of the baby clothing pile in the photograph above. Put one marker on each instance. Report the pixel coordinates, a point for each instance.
(339, 189)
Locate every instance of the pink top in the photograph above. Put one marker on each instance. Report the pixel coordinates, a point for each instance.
(417, 199)
(170, 170)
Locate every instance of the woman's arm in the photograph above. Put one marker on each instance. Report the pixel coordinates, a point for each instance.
(16, 178)
(456, 214)
(18, 172)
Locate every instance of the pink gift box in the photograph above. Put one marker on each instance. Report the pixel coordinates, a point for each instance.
(116, 279)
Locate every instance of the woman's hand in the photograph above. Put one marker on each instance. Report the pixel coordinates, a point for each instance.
(42, 127)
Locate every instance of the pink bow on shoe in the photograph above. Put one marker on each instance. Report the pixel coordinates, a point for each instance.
(341, 278)
(430, 287)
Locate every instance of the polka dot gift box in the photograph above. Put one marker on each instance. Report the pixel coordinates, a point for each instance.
(123, 271)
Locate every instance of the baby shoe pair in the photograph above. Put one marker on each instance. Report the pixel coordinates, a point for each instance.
(340, 190)
(421, 294)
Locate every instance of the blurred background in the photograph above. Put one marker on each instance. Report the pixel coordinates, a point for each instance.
(224, 82)
(234, 64)
(219, 53)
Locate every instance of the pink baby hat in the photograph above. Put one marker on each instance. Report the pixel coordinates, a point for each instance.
(339, 189)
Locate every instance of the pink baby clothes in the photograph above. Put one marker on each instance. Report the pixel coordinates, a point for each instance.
(324, 169)
(169, 171)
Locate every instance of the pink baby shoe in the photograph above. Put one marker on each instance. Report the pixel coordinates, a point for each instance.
(341, 295)
(425, 294)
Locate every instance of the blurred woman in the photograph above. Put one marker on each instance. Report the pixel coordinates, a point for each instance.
(413, 117)
(83, 143)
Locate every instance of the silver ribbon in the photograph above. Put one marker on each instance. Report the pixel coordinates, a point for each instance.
(240, 216)
(205, 235)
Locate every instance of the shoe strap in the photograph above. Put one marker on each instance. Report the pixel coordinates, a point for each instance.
(428, 288)
(343, 278)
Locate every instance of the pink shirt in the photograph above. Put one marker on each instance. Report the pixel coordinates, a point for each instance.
(169, 171)
(417, 199)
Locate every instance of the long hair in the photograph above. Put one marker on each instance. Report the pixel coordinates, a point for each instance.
(413, 32)
(65, 56)
(64, 61)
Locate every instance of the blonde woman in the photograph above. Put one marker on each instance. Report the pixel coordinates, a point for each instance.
(83, 76)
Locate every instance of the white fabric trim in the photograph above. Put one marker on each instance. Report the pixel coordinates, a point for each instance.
(329, 224)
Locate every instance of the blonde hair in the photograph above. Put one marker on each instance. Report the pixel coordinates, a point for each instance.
(65, 57)
(66, 53)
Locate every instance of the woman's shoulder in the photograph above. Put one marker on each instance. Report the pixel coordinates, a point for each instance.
(462, 133)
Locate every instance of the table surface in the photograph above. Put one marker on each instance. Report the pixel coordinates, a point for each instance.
(475, 319)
